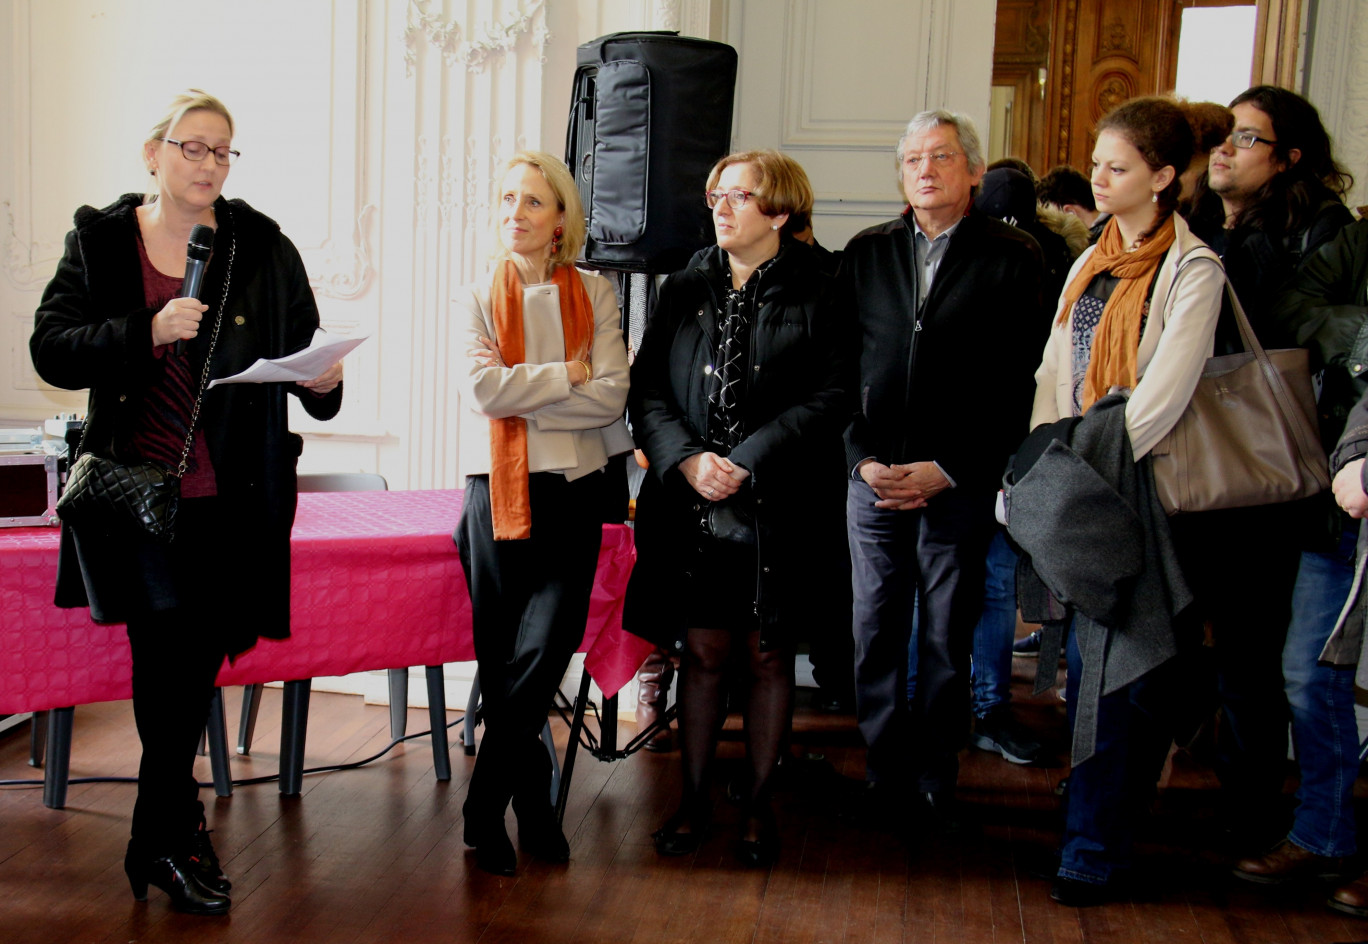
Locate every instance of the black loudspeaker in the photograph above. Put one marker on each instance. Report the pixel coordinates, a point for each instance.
(650, 115)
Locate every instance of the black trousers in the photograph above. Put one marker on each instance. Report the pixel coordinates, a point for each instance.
(1241, 565)
(177, 650)
(530, 602)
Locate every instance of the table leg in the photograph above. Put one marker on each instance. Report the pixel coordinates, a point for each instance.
(294, 723)
(251, 704)
(572, 747)
(398, 699)
(38, 728)
(441, 748)
(217, 734)
(60, 722)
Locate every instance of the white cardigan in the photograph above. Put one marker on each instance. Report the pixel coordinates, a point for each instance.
(572, 430)
(1178, 338)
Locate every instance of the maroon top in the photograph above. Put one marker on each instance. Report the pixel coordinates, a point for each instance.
(159, 431)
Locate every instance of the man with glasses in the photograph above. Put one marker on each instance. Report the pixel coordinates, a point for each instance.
(1271, 198)
(949, 307)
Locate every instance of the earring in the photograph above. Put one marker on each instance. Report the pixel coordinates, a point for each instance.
(1154, 198)
(774, 227)
(556, 235)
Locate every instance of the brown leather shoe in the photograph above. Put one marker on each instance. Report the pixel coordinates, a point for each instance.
(1287, 862)
(1351, 898)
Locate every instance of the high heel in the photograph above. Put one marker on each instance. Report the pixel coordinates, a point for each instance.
(177, 878)
(669, 841)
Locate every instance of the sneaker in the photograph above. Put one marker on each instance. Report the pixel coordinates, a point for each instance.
(1027, 647)
(998, 731)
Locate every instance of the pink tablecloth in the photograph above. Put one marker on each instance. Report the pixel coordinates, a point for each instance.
(376, 584)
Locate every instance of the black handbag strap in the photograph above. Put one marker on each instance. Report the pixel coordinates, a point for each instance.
(204, 374)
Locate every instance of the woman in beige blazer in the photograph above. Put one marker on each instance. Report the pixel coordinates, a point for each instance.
(544, 387)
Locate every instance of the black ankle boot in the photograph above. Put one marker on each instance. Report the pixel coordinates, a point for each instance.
(540, 835)
(204, 862)
(176, 877)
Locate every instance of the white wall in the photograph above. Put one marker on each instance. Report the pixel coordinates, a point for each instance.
(1337, 83)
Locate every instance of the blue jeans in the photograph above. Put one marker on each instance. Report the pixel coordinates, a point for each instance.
(1324, 731)
(991, 671)
(1108, 792)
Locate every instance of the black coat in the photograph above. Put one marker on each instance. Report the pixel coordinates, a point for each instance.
(1261, 266)
(93, 329)
(954, 384)
(795, 405)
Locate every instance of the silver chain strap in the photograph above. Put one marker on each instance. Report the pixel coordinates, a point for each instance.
(209, 358)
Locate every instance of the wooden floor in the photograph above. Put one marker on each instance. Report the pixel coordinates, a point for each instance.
(375, 855)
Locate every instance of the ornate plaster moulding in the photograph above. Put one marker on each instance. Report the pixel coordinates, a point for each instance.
(449, 38)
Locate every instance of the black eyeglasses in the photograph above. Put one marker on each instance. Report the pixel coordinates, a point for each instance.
(1246, 139)
(197, 151)
(736, 199)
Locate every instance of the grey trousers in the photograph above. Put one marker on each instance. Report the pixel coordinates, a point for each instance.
(939, 550)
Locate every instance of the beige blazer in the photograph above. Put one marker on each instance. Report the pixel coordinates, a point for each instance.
(572, 430)
(1177, 340)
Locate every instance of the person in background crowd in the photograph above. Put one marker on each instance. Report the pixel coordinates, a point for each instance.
(1271, 198)
(1009, 195)
(1211, 124)
(544, 388)
(1071, 191)
(1346, 263)
(942, 285)
(738, 395)
(112, 319)
(1131, 319)
(1325, 308)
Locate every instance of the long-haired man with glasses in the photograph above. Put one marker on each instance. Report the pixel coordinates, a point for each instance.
(1271, 198)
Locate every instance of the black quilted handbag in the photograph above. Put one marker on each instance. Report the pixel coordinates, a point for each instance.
(141, 499)
(107, 495)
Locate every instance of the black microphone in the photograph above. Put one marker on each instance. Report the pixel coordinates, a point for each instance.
(196, 261)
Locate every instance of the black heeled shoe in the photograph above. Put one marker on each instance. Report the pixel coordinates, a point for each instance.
(204, 862)
(763, 850)
(493, 851)
(669, 841)
(175, 877)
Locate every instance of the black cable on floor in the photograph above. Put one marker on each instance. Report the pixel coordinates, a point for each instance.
(251, 781)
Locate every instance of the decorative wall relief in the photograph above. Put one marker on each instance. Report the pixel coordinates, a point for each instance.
(491, 41)
(1065, 72)
(28, 264)
(1115, 40)
(343, 270)
(1111, 90)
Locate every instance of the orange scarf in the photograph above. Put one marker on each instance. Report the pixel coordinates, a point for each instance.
(509, 498)
(1116, 342)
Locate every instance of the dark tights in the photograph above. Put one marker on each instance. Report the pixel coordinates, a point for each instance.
(702, 696)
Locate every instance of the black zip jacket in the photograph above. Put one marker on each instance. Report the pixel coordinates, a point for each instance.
(952, 383)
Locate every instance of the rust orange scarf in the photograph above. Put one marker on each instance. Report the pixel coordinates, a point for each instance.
(1116, 342)
(508, 485)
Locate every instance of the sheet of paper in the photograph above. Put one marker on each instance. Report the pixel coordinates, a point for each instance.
(323, 351)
